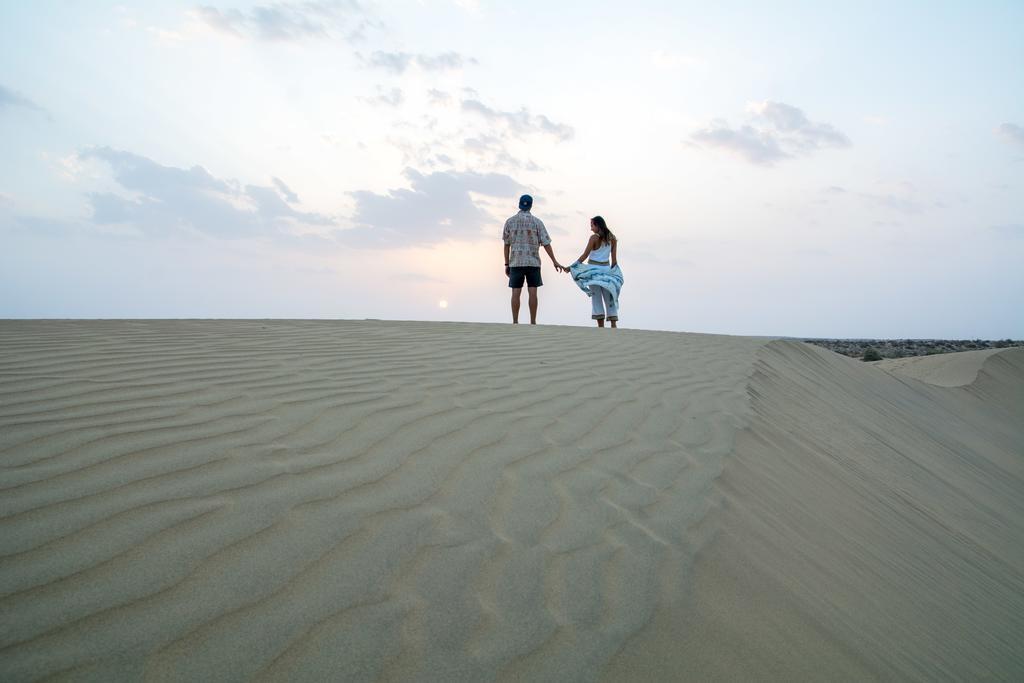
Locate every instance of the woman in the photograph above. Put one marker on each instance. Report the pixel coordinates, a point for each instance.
(600, 277)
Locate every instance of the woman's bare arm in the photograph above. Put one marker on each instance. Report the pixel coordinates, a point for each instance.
(590, 248)
(615, 253)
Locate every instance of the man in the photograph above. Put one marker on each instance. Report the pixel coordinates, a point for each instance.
(523, 235)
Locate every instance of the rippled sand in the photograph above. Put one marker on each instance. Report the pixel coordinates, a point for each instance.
(310, 500)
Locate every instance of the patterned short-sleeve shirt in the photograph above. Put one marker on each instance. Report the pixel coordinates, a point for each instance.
(525, 234)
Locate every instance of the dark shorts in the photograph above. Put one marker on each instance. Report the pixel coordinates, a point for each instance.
(516, 275)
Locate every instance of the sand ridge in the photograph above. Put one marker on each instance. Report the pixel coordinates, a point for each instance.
(195, 500)
(941, 369)
(870, 529)
(342, 500)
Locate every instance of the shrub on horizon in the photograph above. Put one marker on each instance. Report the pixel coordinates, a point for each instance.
(871, 354)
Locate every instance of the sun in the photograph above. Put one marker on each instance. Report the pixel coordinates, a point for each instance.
(443, 303)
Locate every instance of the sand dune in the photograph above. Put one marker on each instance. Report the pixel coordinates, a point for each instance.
(943, 369)
(310, 500)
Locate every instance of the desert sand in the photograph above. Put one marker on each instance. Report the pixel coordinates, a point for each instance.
(365, 500)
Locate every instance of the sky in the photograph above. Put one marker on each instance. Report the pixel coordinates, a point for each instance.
(797, 169)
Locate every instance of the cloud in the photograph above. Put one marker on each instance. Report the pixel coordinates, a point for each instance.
(800, 131)
(422, 152)
(10, 98)
(756, 146)
(390, 98)
(286, 21)
(829, 192)
(775, 131)
(492, 150)
(437, 207)
(285, 191)
(902, 196)
(1011, 132)
(399, 62)
(438, 97)
(520, 122)
(490, 139)
(167, 199)
(895, 202)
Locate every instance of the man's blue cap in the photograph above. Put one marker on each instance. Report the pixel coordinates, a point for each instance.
(525, 202)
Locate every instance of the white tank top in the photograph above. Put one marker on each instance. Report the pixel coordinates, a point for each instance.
(602, 253)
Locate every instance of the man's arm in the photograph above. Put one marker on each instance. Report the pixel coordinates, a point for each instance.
(505, 238)
(545, 240)
(551, 252)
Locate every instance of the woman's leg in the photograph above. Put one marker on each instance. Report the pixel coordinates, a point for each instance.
(597, 304)
(613, 310)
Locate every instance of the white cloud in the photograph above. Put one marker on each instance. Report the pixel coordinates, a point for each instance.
(400, 62)
(438, 97)
(520, 122)
(1011, 132)
(163, 199)
(902, 196)
(471, 6)
(391, 98)
(285, 191)
(436, 207)
(756, 146)
(775, 131)
(11, 98)
(473, 135)
(288, 21)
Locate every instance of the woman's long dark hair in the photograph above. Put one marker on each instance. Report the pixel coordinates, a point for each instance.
(603, 232)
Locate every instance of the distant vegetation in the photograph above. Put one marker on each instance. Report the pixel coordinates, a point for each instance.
(877, 349)
(871, 354)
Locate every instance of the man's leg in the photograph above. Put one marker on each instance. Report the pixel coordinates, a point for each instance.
(533, 304)
(516, 295)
